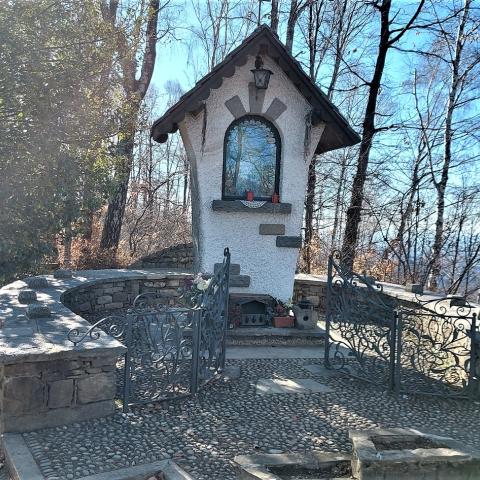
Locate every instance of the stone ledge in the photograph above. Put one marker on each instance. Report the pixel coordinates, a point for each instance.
(43, 339)
(256, 466)
(239, 281)
(271, 229)
(275, 332)
(237, 206)
(234, 268)
(285, 241)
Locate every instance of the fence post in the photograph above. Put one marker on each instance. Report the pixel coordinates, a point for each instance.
(226, 279)
(474, 373)
(395, 351)
(127, 371)
(197, 319)
(326, 358)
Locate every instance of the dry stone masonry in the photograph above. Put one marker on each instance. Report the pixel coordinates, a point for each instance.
(45, 379)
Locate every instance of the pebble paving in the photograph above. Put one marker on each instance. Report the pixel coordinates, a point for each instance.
(203, 434)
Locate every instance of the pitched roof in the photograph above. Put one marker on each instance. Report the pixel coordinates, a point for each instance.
(337, 133)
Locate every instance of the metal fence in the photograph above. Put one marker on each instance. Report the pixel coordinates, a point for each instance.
(172, 351)
(423, 346)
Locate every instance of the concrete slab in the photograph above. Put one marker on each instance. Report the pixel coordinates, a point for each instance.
(270, 386)
(265, 352)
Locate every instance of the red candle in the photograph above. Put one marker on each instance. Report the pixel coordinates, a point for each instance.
(275, 198)
(249, 195)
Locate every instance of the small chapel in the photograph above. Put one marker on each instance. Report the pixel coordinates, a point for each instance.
(250, 128)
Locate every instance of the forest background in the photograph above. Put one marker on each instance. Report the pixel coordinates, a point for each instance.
(83, 185)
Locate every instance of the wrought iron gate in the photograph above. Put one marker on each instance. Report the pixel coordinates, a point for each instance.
(426, 347)
(437, 348)
(172, 352)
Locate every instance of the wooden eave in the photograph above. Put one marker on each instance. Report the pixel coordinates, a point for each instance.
(337, 133)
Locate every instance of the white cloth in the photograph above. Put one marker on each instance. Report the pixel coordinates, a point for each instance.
(253, 203)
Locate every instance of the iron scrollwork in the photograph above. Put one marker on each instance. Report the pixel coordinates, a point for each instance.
(360, 325)
(426, 346)
(437, 348)
(172, 351)
(211, 312)
(113, 325)
(159, 355)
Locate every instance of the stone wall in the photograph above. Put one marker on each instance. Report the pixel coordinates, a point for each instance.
(50, 393)
(177, 256)
(45, 379)
(114, 295)
(313, 290)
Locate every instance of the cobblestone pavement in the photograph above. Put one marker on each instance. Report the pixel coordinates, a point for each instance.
(229, 418)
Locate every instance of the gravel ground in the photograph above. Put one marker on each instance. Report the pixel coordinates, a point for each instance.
(203, 434)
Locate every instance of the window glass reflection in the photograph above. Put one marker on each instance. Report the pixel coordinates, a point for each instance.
(251, 159)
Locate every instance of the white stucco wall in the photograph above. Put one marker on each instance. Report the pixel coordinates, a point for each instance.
(270, 268)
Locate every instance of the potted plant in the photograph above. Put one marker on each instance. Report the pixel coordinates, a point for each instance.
(281, 315)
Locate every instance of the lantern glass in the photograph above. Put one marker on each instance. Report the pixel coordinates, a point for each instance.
(262, 77)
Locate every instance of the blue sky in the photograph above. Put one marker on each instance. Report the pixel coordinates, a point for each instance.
(173, 63)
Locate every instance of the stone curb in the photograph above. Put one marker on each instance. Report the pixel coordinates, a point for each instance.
(19, 461)
(22, 466)
(255, 466)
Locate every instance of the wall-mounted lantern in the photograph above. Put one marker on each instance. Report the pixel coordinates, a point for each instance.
(261, 75)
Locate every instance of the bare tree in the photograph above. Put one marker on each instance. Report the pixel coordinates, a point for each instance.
(131, 44)
(388, 37)
(330, 29)
(296, 8)
(458, 78)
(274, 16)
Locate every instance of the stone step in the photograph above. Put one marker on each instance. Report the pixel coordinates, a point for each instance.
(234, 268)
(270, 336)
(239, 280)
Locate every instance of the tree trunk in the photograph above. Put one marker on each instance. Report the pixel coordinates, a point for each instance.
(274, 16)
(350, 237)
(135, 92)
(441, 186)
(295, 11)
(338, 201)
(116, 208)
(309, 210)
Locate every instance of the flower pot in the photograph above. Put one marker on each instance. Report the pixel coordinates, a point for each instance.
(283, 322)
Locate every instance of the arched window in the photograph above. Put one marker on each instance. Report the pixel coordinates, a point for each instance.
(251, 159)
